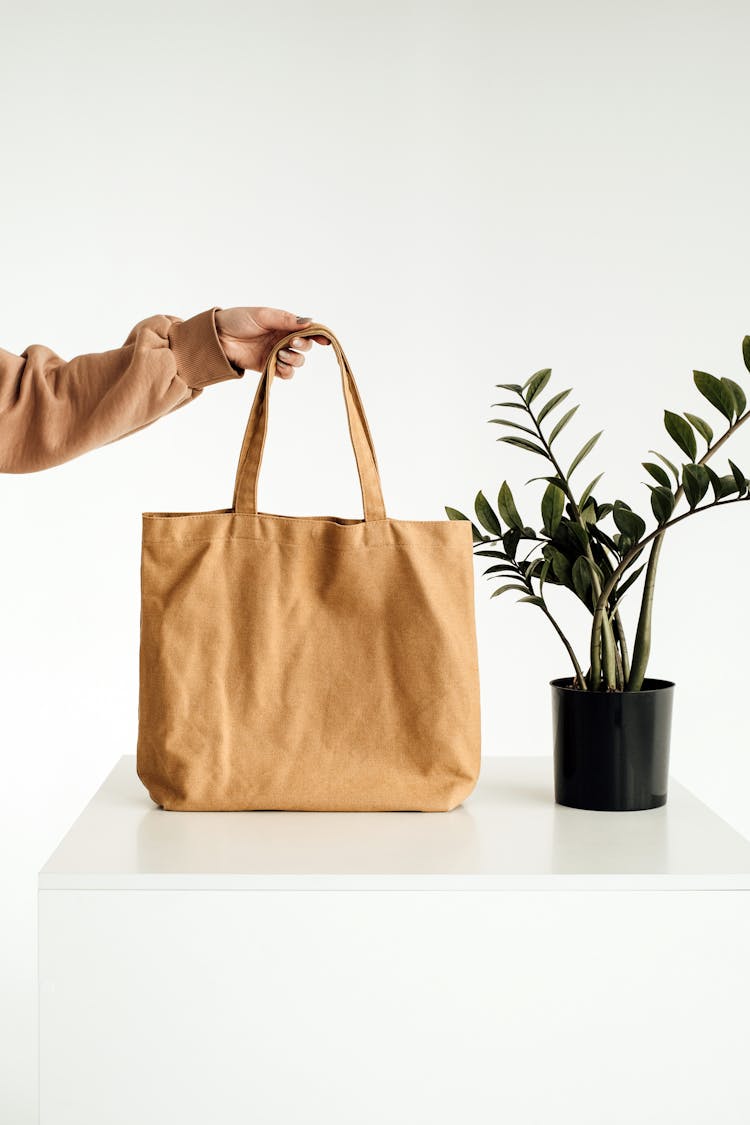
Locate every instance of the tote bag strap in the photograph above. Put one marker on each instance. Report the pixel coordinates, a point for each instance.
(246, 485)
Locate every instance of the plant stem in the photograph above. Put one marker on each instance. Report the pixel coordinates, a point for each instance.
(607, 660)
(642, 646)
(608, 643)
(635, 551)
(619, 676)
(622, 640)
(568, 646)
(595, 673)
(633, 554)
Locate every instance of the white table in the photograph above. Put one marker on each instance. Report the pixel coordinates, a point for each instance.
(511, 961)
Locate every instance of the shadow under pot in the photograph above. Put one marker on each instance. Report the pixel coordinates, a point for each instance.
(611, 749)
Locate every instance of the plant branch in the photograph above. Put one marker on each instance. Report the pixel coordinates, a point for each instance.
(640, 654)
(553, 460)
(608, 657)
(568, 646)
(642, 647)
(617, 574)
(527, 583)
(622, 641)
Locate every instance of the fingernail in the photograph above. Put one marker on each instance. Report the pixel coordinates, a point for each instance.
(304, 319)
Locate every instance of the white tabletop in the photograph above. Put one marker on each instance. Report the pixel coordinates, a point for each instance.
(508, 835)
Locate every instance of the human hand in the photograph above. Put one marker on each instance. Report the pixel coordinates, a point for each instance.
(247, 336)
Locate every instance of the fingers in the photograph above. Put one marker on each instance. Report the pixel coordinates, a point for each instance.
(289, 358)
(286, 362)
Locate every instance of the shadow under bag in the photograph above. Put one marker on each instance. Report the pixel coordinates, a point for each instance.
(307, 663)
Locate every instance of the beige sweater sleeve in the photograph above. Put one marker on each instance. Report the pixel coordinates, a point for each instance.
(52, 409)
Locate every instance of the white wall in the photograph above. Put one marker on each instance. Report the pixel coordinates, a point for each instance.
(465, 192)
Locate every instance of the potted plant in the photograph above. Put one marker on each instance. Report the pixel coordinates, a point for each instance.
(611, 722)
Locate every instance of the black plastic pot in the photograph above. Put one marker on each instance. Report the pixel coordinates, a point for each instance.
(612, 748)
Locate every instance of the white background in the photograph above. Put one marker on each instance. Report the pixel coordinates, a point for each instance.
(465, 193)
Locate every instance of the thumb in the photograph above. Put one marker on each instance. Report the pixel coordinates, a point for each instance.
(278, 320)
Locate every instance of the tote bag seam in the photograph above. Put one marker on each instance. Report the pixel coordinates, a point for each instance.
(169, 517)
(306, 543)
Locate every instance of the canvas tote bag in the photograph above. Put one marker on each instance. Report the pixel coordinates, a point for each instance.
(310, 663)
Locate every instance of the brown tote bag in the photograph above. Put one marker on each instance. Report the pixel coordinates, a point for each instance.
(311, 663)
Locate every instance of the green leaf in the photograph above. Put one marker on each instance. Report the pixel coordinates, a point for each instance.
(560, 564)
(594, 569)
(737, 393)
(515, 425)
(581, 575)
(597, 533)
(524, 443)
(702, 427)
(739, 477)
(668, 463)
(662, 503)
(715, 481)
(492, 554)
(511, 405)
(695, 481)
(501, 568)
(728, 485)
(534, 600)
(543, 574)
(681, 432)
(560, 426)
(506, 506)
(510, 387)
(553, 402)
(746, 351)
(454, 514)
(722, 486)
(588, 490)
(584, 452)
(531, 378)
(657, 473)
(628, 522)
(486, 515)
(511, 539)
(510, 586)
(588, 514)
(550, 480)
(606, 568)
(576, 535)
(717, 394)
(536, 384)
(553, 505)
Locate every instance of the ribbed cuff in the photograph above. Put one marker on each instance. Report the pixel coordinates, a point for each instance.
(201, 360)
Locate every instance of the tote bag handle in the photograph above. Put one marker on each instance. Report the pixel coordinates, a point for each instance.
(246, 485)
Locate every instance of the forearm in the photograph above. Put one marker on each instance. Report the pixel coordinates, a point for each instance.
(52, 410)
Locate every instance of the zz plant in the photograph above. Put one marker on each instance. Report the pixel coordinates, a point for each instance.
(576, 547)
